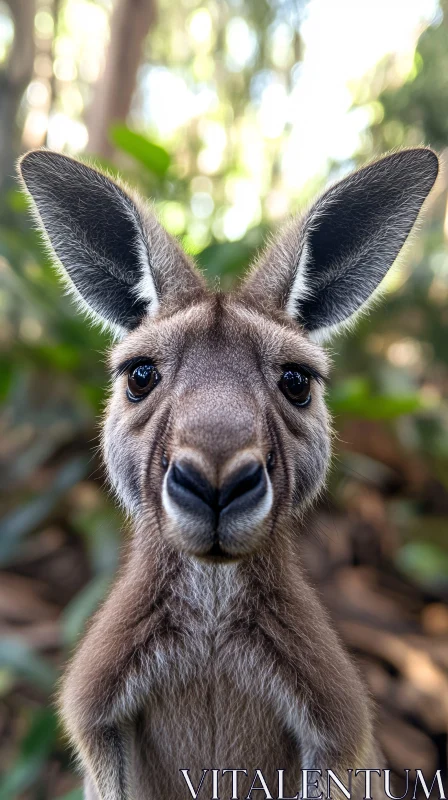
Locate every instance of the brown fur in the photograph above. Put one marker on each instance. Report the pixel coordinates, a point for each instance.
(212, 650)
(198, 664)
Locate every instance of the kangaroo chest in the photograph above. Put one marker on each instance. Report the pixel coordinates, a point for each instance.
(217, 706)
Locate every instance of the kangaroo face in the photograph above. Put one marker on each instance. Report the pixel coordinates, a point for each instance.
(217, 424)
(230, 431)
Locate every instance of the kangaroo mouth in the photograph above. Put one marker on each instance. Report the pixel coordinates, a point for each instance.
(217, 555)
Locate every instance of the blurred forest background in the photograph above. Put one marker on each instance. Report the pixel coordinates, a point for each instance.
(231, 114)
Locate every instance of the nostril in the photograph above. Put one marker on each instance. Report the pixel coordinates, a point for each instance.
(247, 485)
(193, 492)
(186, 483)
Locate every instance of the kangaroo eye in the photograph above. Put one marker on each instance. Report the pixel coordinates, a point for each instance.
(296, 386)
(141, 381)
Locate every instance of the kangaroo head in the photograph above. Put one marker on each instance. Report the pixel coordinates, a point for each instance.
(217, 428)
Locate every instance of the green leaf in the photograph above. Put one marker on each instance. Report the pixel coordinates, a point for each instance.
(6, 377)
(151, 155)
(424, 561)
(101, 528)
(231, 258)
(76, 794)
(82, 607)
(35, 748)
(17, 200)
(17, 524)
(355, 397)
(18, 657)
(228, 258)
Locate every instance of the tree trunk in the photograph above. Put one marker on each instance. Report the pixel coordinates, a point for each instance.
(131, 21)
(14, 78)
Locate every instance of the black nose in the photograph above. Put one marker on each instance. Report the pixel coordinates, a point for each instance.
(192, 491)
(243, 490)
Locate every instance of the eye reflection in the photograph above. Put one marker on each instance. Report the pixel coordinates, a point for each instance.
(295, 384)
(142, 379)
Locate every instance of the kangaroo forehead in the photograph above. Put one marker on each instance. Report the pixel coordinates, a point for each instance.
(220, 331)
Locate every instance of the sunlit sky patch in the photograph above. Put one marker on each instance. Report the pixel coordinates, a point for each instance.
(343, 41)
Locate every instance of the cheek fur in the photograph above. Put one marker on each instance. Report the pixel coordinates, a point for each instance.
(303, 445)
(310, 468)
(122, 467)
(133, 451)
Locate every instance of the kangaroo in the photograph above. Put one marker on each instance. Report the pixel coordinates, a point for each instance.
(212, 652)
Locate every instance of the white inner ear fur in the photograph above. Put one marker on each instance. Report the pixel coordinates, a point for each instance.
(326, 333)
(299, 289)
(145, 288)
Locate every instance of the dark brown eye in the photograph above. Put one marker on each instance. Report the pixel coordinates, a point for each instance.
(296, 386)
(142, 379)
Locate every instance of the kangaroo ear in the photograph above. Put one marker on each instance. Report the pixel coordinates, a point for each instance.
(325, 267)
(121, 264)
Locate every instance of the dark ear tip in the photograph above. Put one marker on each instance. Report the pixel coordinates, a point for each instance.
(35, 161)
(426, 154)
(414, 167)
(426, 159)
(31, 160)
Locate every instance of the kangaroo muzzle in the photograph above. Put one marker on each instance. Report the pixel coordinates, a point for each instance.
(219, 519)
